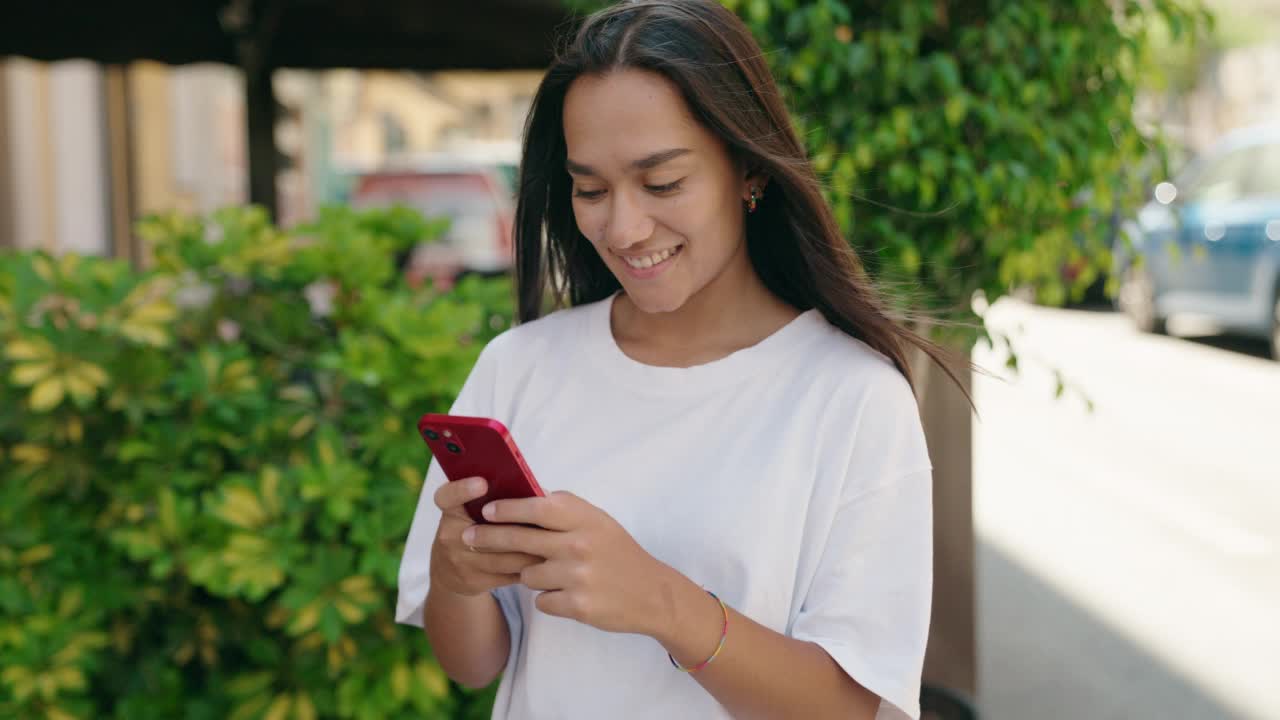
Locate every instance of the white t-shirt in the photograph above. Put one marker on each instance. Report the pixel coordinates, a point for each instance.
(791, 478)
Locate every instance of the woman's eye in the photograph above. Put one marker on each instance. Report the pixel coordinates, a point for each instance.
(655, 189)
(663, 189)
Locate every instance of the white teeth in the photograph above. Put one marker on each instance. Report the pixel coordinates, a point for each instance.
(651, 260)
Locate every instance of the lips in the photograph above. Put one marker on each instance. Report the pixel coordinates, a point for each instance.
(643, 262)
(647, 267)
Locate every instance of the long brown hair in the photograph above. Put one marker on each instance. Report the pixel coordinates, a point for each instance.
(792, 239)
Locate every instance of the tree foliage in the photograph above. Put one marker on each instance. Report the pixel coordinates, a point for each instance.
(973, 146)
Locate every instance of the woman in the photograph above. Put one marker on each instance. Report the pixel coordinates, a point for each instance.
(742, 519)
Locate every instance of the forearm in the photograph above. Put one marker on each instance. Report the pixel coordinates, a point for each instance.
(468, 635)
(760, 673)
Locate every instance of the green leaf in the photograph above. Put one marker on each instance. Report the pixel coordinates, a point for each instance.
(331, 624)
(47, 394)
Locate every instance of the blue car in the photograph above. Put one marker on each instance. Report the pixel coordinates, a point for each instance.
(1208, 244)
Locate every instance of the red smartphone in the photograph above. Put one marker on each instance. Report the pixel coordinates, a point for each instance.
(479, 447)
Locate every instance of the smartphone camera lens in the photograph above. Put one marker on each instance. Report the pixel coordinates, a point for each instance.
(453, 448)
(431, 434)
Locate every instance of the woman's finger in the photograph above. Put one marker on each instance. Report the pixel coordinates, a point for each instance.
(451, 496)
(504, 563)
(550, 575)
(514, 538)
(561, 603)
(561, 510)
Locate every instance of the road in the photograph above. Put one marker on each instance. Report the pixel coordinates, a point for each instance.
(1129, 557)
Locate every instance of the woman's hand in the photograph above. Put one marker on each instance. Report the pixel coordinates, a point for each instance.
(455, 566)
(594, 572)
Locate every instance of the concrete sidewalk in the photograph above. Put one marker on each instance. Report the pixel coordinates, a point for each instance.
(1128, 561)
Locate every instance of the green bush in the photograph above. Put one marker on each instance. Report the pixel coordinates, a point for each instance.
(207, 470)
(973, 146)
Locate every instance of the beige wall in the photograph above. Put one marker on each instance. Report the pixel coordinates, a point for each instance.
(436, 110)
(76, 137)
(181, 132)
(359, 101)
(54, 153)
(8, 223)
(206, 111)
(27, 153)
(60, 144)
(187, 137)
(152, 137)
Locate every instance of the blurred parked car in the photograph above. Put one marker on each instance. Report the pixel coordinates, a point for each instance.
(1208, 244)
(477, 196)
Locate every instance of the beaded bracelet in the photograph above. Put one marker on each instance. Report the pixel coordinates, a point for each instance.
(724, 633)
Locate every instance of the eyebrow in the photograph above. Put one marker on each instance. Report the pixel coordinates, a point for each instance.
(645, 163)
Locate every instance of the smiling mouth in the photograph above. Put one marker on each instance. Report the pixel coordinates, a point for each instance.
(647, 261)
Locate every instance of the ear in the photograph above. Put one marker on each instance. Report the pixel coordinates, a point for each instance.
(754, 179)
(752, 173)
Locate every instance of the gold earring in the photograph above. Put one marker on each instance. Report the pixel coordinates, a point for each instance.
(755, 198)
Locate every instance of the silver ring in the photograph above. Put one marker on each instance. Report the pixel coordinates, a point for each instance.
(472, 548)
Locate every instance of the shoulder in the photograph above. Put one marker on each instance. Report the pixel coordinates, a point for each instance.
(853, 371)
(869, 404)
(538, 340)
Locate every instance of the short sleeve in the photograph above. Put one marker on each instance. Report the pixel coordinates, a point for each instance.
(475, 398)
(869, 602)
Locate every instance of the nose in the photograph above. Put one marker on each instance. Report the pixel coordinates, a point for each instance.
(629, 223)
